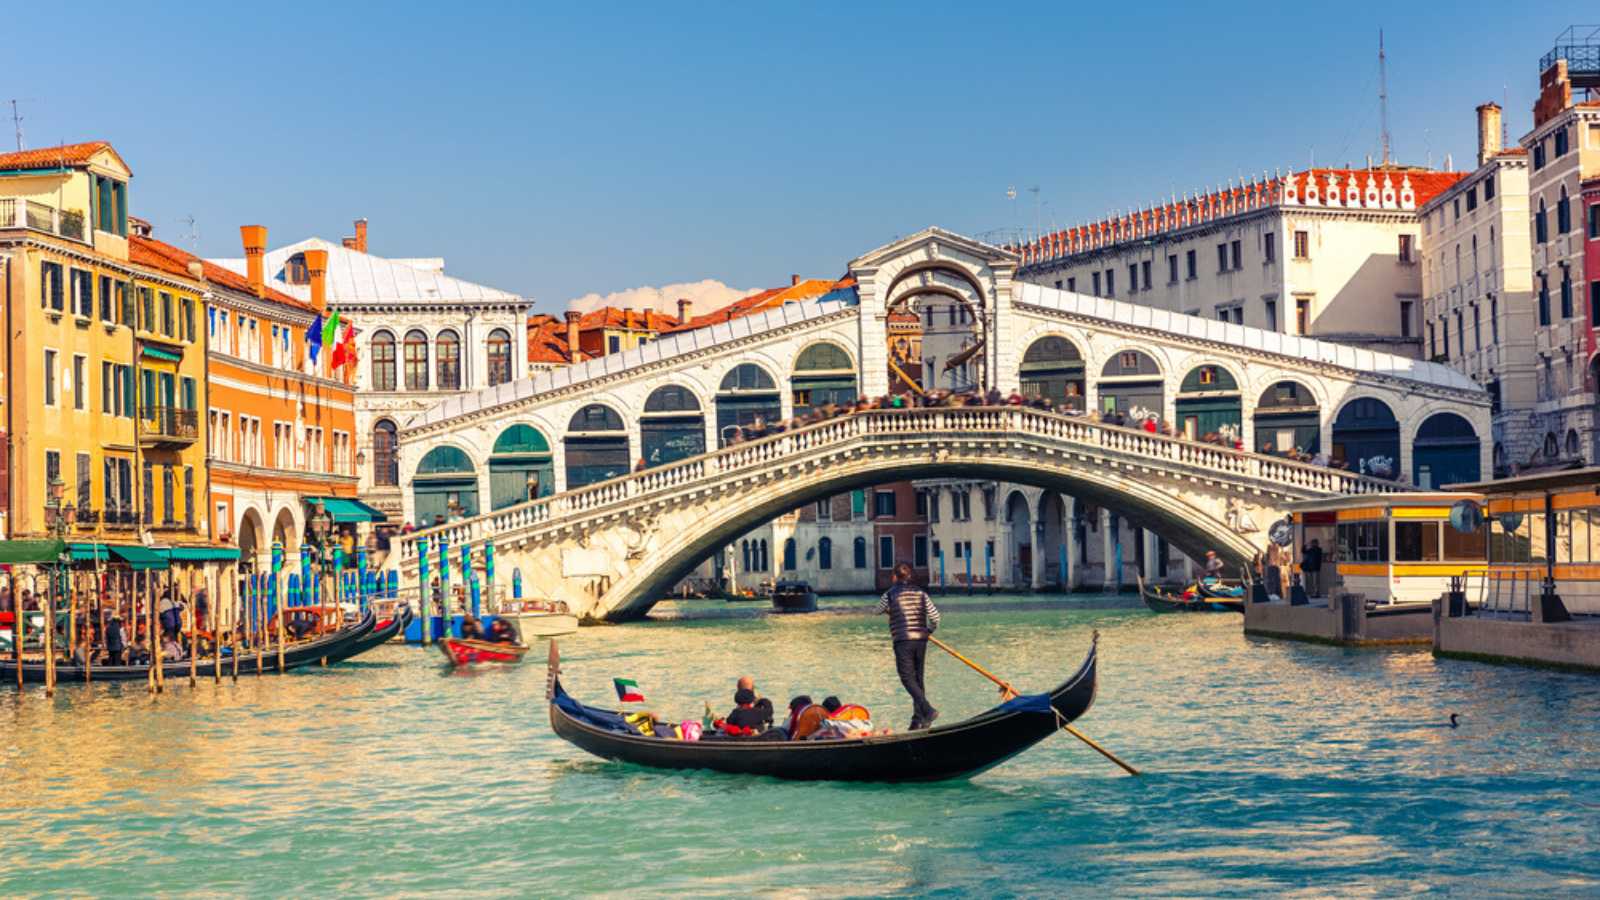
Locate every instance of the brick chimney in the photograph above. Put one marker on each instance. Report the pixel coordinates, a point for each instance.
(794, 280)
(572, 334)
(684, 309)
(627, 317)
(255, 249)
(317, 268)
(361, 235)
(349, 243)
(1488, 132)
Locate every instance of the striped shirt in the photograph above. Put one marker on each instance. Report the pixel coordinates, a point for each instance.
(912, 615)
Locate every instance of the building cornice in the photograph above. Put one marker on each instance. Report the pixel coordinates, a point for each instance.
(293, 375)
(319, 478)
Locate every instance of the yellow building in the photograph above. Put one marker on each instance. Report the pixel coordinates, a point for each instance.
(104, 365)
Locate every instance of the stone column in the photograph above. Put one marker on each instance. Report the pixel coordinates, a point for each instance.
(1069, 537)
(1107, 523)
(1037, 575)
(1152, 557)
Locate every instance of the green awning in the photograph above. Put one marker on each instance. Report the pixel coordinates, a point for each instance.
(201, 554)
(138, 557)
(158, 353)
(31, 552)
(90, 552)
(347, 509)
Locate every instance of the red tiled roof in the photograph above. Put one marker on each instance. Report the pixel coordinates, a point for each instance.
(808, 289)
(637, 320)
(160, 255)
(51, 157)
(547, 341)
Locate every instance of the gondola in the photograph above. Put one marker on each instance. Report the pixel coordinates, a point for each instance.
(1163, 602)
(1217, 589)
(334, 646)
(958, 750)
(381, 633)
(461, 651)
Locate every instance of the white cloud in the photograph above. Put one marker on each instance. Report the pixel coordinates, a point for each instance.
(706, 296)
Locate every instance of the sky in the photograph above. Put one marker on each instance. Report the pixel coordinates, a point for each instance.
(582, 150)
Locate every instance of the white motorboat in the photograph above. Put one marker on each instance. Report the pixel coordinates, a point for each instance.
(538, 618)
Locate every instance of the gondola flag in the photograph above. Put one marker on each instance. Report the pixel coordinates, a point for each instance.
(628, 690)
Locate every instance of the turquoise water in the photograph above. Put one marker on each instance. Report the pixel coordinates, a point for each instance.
(1270, 767)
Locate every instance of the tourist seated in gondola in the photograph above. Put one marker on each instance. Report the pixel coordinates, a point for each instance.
(471, 628)
(746, 719)
(139, 654)
(171, 647)
(805, 717)
(502, 632)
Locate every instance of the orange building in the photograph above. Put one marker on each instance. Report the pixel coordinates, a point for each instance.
(280, 428)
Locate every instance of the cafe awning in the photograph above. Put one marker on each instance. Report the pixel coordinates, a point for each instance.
(138, 557)
(21, 553)
(163, 355)
(348, 509)
(201, 554)
(89, 552)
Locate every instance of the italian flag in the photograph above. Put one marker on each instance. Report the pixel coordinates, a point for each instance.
(628, 690)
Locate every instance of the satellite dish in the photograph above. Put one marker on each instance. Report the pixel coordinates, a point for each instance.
(1281, 532)
(1466, 516)
(1509, 522)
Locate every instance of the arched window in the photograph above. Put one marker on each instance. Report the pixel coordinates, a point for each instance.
(499, 357)
(1572, 442)
(597, 446)
(383, 361)
(744, 549)
(1551, 448)
(448, 348)
(825, 554)
(1541, 230)
(859, 552)
(416, 351)
(1563, 212)
(789, 562)
(762, 559)
(385, 441)
(445, 487)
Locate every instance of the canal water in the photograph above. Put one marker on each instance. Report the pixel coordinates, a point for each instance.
(1269, 767)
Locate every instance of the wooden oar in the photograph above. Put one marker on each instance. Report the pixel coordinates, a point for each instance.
(1007, 692)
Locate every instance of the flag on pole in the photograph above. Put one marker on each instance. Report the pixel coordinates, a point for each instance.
(628, 690)
(314, 338)
(344, 352)
(330, 328)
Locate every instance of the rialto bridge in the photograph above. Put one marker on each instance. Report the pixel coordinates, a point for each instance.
(610, 537)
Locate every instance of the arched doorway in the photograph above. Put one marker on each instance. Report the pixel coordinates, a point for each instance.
(251, 544)
(1053, 368)
(1208, 403)
(823, 374)
(1287, 418)
(672, 426)
(1446, 451)
(1053, 543)
(1019, 540)
(597, 446)
(284, 532)
(1130, 384)
(446, 485)
(748, 394)
(521, 467)
(1366, 438)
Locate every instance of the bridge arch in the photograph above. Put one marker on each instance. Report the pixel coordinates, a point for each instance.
(596, 445)
(521, 466)
(824, 372)
(1446, 450)
(747, 392)
(445, 484)
(1209, 401)
(1365, 434)
(1132, 378)
(672, 425)
(1053, 366)
(1288, 416)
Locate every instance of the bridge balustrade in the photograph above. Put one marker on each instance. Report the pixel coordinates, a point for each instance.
(751, 457)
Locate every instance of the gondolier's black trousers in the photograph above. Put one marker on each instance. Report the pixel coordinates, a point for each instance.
(909, 659)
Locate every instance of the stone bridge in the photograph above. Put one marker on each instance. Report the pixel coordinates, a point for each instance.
(609, 541)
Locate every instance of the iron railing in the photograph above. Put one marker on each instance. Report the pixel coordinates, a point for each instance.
(170, 422)
(20, 213)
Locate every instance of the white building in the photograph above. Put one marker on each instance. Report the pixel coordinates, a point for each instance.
(1478, 308)
(1329, 253)
(426, 336)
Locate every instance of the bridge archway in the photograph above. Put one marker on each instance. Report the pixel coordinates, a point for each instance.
(1446, 451)
(747, 394)
(597, 446)
(1052, 544)
(824, 373)
(950, 304)
(521, 467)
(1053, 368)
(446, 484)
(1287, 418)
(1131, 380)
(1209, 402)
(1366, 437)
(1019, 538)
(672, 426)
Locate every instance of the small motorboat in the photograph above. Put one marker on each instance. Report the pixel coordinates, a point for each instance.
(1189, 601)
(793, 597)
(538, 618)
(464, 651)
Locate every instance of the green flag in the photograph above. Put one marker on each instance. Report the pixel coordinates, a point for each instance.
(330, 328)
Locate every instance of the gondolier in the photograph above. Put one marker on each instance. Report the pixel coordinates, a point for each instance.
(912, 618)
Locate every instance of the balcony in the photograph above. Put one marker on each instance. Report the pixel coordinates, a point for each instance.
(167, 426)
(16, 212)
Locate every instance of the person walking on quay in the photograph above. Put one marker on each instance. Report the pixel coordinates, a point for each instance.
(1311, 568)
(912, 619)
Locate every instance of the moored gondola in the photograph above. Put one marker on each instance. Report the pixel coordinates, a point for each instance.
(382, 633)
(958, 750)
(1190, 601)
(333, 646)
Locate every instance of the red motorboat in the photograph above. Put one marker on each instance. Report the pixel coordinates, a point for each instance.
(463, 651)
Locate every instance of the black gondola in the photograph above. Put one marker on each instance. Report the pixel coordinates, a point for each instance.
(335, 646)
(1163, 602)
(957, 750)
(380, 634)
(1217, 589)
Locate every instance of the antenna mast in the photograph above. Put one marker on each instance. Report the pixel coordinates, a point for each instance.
(1383, 96)
(16, 122)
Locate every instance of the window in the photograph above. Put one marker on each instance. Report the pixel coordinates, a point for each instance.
(186, 319)
(919, 551)
(1416, 541)
(107, 388)
(1096, 277)
(1172, 268)
(1477, 328)
(85, 488)
(1594, 221)
(1302, 315)
(1433, 345)
(1269, 247)
(385, 461)
(1302, 245)
(80, 381)
(1222, 257)
(1488, 189)
(1538, 156)
(82, 293)
(168, 496)
(1560, 143)
(1444, 333)
(147, 309)
(1472, 198)
(128, 315)
(1133, 278)
(882, 504)
(499, 357)
(885, 551)
(922, 505)
(1072, 285)
(108, 309)
(52, 466)
(1461, 335)
(1363, 542)
(1145, 269)
(49, 378)
(1541, 230)
(1236, 257)
(858, 505)
(1111, 283)
(1544, 299)
(416, 350)
(383, 361)
(859, 552)
(1190, 271)
(1563, 213)
(825, 510)
(1405, 318)
(168, 320)
(1566, 293)
(1455, 209)
(614, 343)
(825, 554)
(1272, 314)
(1408, 248)
(1494, 320)
(188, 497)
(789, 554)
(50, 286)
(448, 348)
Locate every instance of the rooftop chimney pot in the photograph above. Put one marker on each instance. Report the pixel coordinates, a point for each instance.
(684, 306)
(317, 269)
(794, 280)
(572, 334)
(255, 248)
(361, 235)
(1488, 132)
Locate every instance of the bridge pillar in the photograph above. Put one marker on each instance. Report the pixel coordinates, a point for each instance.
(1069, 536)
(1036, 577)
(1108, 526)
(1152, 557)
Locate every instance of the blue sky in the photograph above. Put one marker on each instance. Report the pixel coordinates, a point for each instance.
(566, 150)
